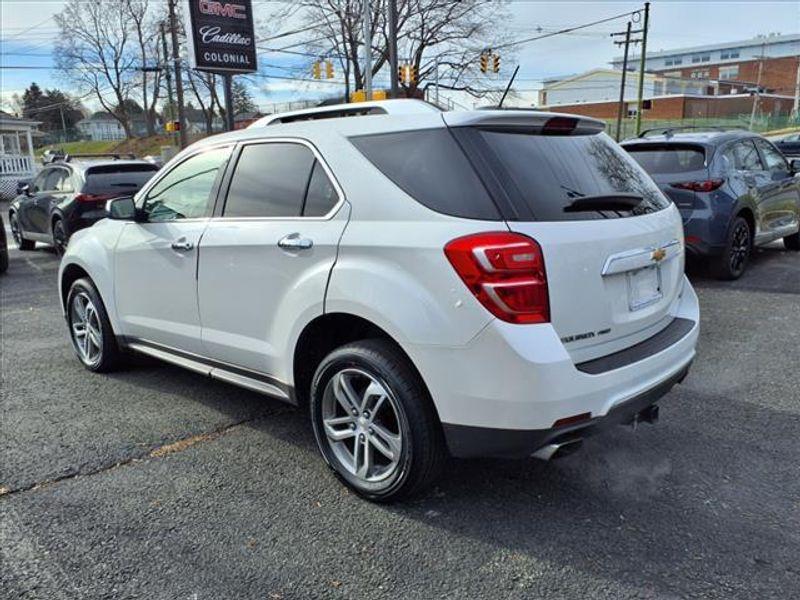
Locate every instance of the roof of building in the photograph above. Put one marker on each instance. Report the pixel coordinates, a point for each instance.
(9, 118)
(591, 72)
(751, 43)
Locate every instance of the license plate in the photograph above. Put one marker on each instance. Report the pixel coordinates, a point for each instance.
(644, 287)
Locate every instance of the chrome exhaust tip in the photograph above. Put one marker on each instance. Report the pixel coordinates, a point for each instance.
(558, 449)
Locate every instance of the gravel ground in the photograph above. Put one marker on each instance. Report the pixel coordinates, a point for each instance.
(157, 483)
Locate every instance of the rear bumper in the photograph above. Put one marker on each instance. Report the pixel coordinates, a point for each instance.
(504, 392)
(464, 441)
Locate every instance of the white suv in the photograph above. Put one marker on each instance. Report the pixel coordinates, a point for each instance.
(497, 283)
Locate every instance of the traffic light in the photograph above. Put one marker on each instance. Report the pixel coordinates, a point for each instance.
(484, 61)
(329, 69)
(496, 63)
(316, 70)
(407, 74)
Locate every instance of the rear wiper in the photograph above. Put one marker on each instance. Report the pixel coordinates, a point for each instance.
(612, 202)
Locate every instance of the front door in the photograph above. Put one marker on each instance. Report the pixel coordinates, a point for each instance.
(265, 262)
(156, 258)
(778, 192)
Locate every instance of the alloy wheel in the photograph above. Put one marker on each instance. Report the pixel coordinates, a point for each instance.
(361, 422)
(15, 233)
(59, 238)
(740, 247)
(86, 328)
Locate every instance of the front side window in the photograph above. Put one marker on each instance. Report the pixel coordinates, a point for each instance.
(38, 183)
(185, 192)
(270, 180)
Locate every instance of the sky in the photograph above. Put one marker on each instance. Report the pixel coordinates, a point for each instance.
(27, 34)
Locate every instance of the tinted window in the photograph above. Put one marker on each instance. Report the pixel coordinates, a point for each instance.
(184, 192)
(111, 179)
(321, 196)
(668, 158)
(269, 181)
(38, 183)
(548, 173)
(773, 158)
(745, 156)
(430, 166)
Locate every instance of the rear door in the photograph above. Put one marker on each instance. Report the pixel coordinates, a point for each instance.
(613, 273)
(265, 259)
(57, 184)
(748, 178)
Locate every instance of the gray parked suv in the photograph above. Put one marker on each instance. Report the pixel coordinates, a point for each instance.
(734, 190)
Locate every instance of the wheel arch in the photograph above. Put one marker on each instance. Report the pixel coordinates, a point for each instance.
(327, 332)
(748, 215)
(69, 275)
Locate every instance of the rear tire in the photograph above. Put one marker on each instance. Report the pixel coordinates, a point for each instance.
(375, 423)
(60, 237)
(792, 242)
(16, 233)
(738, 247)
(90, 330)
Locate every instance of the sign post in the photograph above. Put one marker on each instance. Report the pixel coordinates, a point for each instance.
(222, 40)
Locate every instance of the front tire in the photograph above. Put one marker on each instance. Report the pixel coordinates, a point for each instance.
(89, 328)
(792, 242)
(374, 421)
(16, 233)
(60, 237)
(733, 261)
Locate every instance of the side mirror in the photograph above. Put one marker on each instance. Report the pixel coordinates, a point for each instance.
(794, 166)
(23, 187)
(121, 209)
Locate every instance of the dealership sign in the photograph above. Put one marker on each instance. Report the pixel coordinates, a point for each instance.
(221, 37)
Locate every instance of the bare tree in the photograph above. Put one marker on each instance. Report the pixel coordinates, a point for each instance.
(146, 34)
(94, 52)
(452, 33)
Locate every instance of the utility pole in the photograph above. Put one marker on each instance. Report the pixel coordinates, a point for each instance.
(621, 106)
(436, 77)
(796, 106)
(757, 95)
(63, 121)
(173, 28)
(167, 73)
(228, 79)
(367, 52)
(392, 17)
(640, 95)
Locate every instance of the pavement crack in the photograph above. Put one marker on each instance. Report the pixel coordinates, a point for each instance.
(154, 453)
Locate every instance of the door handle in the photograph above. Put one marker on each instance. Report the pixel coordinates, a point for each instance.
(293, 241)
(182, 244)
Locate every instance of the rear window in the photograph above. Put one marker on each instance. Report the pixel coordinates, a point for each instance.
(548, 177)
(430, 166)
(110, 179)
(668, 158)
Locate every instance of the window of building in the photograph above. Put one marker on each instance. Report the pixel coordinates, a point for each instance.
(729, 72)
(669, 62)
(678, 61)
(695, 59)
(705, 58)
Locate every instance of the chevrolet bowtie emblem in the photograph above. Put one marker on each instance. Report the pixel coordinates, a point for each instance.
(658, 255)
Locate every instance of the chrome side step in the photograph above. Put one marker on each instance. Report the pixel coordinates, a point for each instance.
(197, 365)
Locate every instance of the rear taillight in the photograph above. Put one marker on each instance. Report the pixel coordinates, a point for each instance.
(559, 126)
(706, 185)
(93, 197)
(505, 271)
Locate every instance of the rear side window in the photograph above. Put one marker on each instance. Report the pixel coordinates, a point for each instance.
(668, 158)
(321, 196)
(551, 176)
(111, 179)
(744, 156)
(270, 180)
(430, 166)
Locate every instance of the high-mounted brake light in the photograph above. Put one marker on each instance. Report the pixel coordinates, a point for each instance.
(707, 185)
(559, 126)
(505, 272)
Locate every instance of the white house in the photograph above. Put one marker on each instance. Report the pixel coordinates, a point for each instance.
(101, 126)
(16, 152)
(598, 85)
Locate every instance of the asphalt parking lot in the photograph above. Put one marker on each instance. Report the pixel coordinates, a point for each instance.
(157, 483)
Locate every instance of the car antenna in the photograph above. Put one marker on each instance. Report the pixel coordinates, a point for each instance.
(508, 87)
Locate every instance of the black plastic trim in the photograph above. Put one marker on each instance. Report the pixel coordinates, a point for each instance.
(665, 338)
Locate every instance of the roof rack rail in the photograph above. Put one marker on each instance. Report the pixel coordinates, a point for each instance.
(114, 155)
(399, 106)
(670, 131)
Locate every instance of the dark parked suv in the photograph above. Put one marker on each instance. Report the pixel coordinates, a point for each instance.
(70, 194)
(733, 188)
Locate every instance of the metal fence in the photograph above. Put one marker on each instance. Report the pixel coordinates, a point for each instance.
(761, 124)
